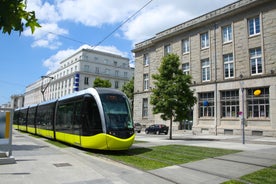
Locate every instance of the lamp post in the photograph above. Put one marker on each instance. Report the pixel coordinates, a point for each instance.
(43, 89)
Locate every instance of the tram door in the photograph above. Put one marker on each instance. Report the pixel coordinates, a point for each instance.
(77, 122)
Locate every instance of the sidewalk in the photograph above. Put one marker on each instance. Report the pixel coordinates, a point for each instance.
(40, 162)
(258, 153)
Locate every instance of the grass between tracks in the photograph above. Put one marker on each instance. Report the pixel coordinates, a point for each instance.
(163, 156)
(267, 176)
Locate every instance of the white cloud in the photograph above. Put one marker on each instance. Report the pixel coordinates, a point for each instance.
(95, 12)
(165, 14)
(52, 63)
(151, 22)
(156, 17)
(47, 36)
(45, 12)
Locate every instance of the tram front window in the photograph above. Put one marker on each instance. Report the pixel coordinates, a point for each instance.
(117, 112)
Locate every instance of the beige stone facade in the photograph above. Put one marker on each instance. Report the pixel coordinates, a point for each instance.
(230, 53)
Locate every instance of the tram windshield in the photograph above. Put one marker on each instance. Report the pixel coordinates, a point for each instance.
(117, 112)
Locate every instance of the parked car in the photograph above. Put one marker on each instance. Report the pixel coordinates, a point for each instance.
(137, 127)
(157, 129)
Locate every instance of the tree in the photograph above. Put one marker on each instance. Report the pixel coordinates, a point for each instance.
(128, 89)
(13, 16)
(98, 82)
(171, 95)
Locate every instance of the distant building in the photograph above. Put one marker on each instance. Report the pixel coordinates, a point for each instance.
(230, 53)
(17, 101)
(78, 72)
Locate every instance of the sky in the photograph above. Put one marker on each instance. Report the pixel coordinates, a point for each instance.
(68, 25)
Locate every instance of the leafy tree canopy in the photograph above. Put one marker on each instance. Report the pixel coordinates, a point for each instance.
(128, 89)
(98, 82)
(13, 16)
(171, 95)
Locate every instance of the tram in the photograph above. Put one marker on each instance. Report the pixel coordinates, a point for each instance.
(95, 118)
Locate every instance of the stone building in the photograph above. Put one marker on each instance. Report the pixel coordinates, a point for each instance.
(78, 72)
(230, 54)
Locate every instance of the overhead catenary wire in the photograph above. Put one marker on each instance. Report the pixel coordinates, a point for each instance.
(133, 15)
(108, 35)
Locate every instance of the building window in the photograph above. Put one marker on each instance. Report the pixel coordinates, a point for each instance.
(205, 70)
(258, 106)
(86, 68)
(167, 49)
(146, 59)
(115, 63)
(107, 71)
(97, 70)
(254, 26)
(116, 73)
(227, 34)
(228, 66)
(145, 108)
(230, 104)
(125, 74)
(206, 104)
(146, 82)
(116, 84)
(204, 40)
(86, 80)
(256, 61)
(186, 68)
(186, 46)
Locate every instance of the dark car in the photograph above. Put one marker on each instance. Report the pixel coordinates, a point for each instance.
(137, 127)
(157, 129)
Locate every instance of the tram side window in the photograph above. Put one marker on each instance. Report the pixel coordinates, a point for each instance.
(92, 120)
(16, 117)
(23, 117)
(65, 115)
(77, 118)
(31, 117)
(45, 116)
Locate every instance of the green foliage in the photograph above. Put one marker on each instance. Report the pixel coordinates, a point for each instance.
(128, 89)
(13, 16)
(98, 82)
(172, 96)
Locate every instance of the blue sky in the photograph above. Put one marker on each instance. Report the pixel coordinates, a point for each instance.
(82, 23)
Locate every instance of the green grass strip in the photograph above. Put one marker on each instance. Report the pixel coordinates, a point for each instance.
(163, 156)
(267, 176)
(56, 143)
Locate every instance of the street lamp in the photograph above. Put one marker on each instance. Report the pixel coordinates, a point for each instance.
(43, 88)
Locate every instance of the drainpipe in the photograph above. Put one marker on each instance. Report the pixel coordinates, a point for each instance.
(216, 85)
